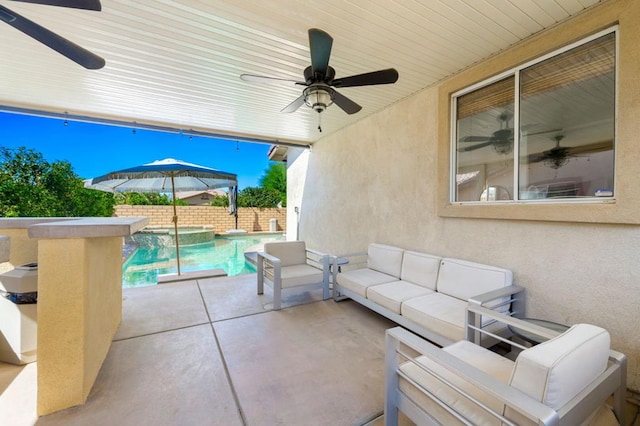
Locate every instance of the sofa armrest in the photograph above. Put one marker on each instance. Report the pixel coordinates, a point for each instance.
(402, 345)
(482, 299)
(356, 260)
(512, 294)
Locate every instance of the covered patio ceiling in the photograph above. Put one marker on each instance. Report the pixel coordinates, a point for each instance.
(176, 64)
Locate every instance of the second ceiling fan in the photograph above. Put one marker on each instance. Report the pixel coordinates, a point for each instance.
(56, 42)
(320, 81)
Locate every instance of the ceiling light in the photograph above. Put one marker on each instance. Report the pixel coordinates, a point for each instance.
(318, 97)
(556, 162)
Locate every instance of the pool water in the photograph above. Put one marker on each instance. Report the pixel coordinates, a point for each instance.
(227, 252)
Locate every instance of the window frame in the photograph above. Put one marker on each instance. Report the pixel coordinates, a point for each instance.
(515, 73)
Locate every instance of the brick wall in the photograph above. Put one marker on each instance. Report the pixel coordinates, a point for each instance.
(249, 218)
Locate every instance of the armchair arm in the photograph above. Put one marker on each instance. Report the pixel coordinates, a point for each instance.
(316, 252)
(273, 263)
(398, 340)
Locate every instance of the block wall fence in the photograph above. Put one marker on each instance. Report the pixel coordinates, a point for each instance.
(251, 219)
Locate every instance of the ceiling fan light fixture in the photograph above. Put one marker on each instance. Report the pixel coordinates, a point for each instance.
(503, 147)
(318, 98)
(556, 162)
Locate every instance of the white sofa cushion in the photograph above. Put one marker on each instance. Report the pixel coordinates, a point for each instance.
(555, 371)
(420, 268)
(391, 295)
(442, 314)
(289, 252)
(385, 259)
(358, 280)
(489, 362)
(462, 279)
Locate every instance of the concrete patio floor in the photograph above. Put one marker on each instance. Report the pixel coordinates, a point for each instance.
(212, 352)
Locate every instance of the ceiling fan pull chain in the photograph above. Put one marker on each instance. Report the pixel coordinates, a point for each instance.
(319, 122)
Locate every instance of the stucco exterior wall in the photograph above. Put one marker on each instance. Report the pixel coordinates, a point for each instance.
(380, 180)
(249, 218)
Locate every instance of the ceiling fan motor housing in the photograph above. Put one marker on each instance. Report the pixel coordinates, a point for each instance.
(311, 78)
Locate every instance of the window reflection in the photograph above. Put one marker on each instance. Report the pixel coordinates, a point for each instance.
(485, 142)
(570, 97)
(565, 143)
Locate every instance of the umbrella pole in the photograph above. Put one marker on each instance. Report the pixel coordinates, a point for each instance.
(175, 222)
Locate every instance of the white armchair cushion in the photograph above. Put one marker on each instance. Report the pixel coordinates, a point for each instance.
(358, 280)
(391, 295)
(420, 268)
(555, 371)
(385, 259)
(296, 275)
(489, 362)
(462, 279)
(289, 252)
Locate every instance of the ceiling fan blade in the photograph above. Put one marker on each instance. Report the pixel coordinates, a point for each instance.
(345, 103)
(59, 44)
(387, 76)
(293, 106)
(475, 139)
(76, 4)
(320, 46)
(474, 147)
(269, 80)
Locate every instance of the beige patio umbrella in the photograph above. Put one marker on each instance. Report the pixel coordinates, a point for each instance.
(162, 176)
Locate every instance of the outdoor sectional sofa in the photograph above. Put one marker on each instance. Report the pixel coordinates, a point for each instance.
(424, 293)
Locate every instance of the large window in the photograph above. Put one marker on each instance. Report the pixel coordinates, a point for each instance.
(542, 132)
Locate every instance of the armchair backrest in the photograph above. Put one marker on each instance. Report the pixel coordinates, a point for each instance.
(385, 259)
(557, 370)
(289, 252)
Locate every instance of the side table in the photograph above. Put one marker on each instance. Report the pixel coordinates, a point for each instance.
(532, 338)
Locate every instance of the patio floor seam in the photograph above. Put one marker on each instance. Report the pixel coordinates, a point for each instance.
(223, 360)
(161, 331)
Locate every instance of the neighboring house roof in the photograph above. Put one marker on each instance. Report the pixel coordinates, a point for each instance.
(189, 194)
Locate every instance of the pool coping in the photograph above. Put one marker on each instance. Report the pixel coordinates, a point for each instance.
(185, 276)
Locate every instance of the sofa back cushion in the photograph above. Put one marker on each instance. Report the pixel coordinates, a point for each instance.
(385, 259)
(462, 279)
(420, 269)
(557, 370)
(289, 252)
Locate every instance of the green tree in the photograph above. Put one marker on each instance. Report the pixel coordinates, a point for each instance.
(275, 179)
(259, 197)
(220, 201)
(145, 199)
(32, 187)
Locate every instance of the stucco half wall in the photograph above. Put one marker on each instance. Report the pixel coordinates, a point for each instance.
(383, 179)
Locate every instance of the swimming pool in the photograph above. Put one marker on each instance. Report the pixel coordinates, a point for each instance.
(224, 251)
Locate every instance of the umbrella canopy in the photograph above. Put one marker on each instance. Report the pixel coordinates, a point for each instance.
(164, 176)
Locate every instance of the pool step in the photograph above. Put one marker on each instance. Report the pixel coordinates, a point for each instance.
(192, 275)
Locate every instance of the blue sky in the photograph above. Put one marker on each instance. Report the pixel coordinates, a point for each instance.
(96, 149)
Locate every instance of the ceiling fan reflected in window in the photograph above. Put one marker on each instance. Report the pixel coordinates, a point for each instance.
(320, 81)
(559, 156)
(501, 139)
(61, 45)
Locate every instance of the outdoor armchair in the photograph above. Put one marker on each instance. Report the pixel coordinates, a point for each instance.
(287, 264)
(563, 381)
